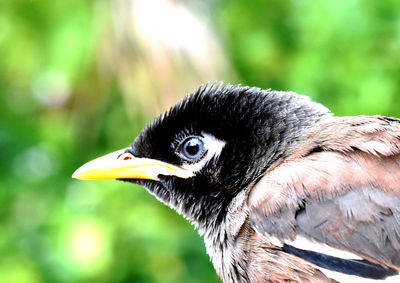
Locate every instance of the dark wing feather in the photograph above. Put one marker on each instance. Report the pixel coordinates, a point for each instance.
(342, 188)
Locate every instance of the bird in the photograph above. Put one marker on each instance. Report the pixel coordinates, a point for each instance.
(280, 189)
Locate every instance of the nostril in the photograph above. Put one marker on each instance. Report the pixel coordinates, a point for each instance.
(125, 156)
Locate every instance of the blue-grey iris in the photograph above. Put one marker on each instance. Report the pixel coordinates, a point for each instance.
(192, 148)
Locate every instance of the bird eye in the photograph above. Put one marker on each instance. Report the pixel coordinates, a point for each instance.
(192, 148)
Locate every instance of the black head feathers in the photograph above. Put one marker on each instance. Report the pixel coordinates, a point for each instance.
(257, 126)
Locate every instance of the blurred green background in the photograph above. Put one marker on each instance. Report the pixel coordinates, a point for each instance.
(81, 78)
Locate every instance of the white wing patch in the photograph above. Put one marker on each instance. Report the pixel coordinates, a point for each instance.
(305, 244)
(346, 278)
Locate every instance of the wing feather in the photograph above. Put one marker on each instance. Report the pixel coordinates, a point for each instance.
(341, 188)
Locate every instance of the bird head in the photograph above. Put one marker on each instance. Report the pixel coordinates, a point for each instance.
(198, 156)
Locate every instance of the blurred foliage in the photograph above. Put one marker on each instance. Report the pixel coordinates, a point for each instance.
(82, 78)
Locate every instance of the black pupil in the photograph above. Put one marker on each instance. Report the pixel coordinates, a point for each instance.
(192, 147)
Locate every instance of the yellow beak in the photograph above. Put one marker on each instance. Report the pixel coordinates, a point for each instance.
(122, 165)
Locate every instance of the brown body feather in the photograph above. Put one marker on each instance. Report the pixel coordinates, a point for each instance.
(341, 187)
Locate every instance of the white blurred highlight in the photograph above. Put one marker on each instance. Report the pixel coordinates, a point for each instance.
(171, 24)
(161, 50)
(51, 89)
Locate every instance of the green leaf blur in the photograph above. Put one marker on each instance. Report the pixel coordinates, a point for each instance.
(79, 79)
